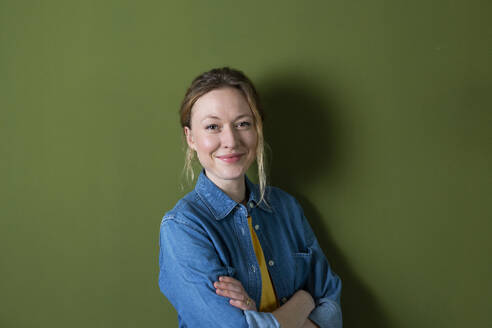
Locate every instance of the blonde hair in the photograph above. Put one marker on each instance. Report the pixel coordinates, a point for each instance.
(220, 78)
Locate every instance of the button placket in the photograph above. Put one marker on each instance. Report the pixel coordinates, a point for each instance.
(254, 272)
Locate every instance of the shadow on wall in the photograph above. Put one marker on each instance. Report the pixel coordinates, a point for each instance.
(304, 132)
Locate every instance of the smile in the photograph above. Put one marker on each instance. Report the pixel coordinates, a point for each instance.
(232, 158)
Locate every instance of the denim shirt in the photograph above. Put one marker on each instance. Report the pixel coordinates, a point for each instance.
(206, 235)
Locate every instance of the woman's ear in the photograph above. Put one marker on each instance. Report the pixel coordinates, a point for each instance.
(189, 137)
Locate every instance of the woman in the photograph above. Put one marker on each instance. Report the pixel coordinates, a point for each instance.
(233, 253)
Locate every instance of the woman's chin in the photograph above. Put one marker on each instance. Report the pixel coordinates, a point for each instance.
(239, 174)
(230, 173)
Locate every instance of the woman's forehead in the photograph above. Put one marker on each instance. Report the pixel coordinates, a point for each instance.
(224, 103)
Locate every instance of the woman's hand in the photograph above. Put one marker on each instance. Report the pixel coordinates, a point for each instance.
(233, 289)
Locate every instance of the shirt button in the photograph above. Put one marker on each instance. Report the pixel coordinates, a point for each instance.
(253, 268)
(284, 300)
(251, 205)
(271, 263)
(257, 227)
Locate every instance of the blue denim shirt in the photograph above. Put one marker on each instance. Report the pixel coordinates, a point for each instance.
(206, 235)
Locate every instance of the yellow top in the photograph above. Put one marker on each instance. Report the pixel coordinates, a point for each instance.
(268, 301)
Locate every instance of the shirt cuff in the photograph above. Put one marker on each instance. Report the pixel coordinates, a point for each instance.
(261, 319)
(327, 314)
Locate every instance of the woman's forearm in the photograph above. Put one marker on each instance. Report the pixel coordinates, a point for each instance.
(294, 313)
(309, 324)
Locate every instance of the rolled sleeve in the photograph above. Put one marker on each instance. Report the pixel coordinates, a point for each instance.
(189, 266)
(261, 319)
(327, 314)
(324, 285)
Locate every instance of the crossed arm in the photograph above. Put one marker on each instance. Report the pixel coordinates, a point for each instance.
(293, 314)
(187, 274)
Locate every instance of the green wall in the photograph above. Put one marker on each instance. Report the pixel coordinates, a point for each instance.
(379, 120)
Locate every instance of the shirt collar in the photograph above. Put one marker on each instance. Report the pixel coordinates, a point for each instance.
(219, 203)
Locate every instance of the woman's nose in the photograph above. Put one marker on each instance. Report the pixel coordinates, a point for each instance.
(229, 137)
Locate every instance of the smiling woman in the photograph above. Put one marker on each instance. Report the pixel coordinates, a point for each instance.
(224, 137)
(233, 253)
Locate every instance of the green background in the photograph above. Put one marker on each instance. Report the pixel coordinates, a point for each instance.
(378, 117)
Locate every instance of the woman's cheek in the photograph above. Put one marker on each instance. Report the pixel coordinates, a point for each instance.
(210, 143)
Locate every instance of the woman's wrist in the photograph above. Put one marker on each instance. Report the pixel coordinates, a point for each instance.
(295, 312)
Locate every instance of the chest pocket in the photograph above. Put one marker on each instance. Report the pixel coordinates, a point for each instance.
(302, 262)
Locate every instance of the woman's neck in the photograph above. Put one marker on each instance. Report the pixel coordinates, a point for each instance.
(235, 189)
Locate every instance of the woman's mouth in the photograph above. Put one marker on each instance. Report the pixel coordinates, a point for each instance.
(230, 158)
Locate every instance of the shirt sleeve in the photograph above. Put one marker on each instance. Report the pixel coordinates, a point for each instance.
(189, 265)
(323, 284)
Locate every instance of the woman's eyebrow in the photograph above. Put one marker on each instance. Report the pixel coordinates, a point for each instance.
(243, 115)
(210, 117)
(218, 118)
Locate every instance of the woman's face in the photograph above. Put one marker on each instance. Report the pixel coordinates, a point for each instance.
(223, 135)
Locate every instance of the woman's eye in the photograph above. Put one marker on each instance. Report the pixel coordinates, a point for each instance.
(212, 127)
(244, 124)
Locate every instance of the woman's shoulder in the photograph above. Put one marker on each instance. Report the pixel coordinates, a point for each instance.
(276, 194)
(188, 210)
(286, 207)
(281, 201)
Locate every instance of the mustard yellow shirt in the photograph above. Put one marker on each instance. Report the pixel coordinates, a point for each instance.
(268, 301)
